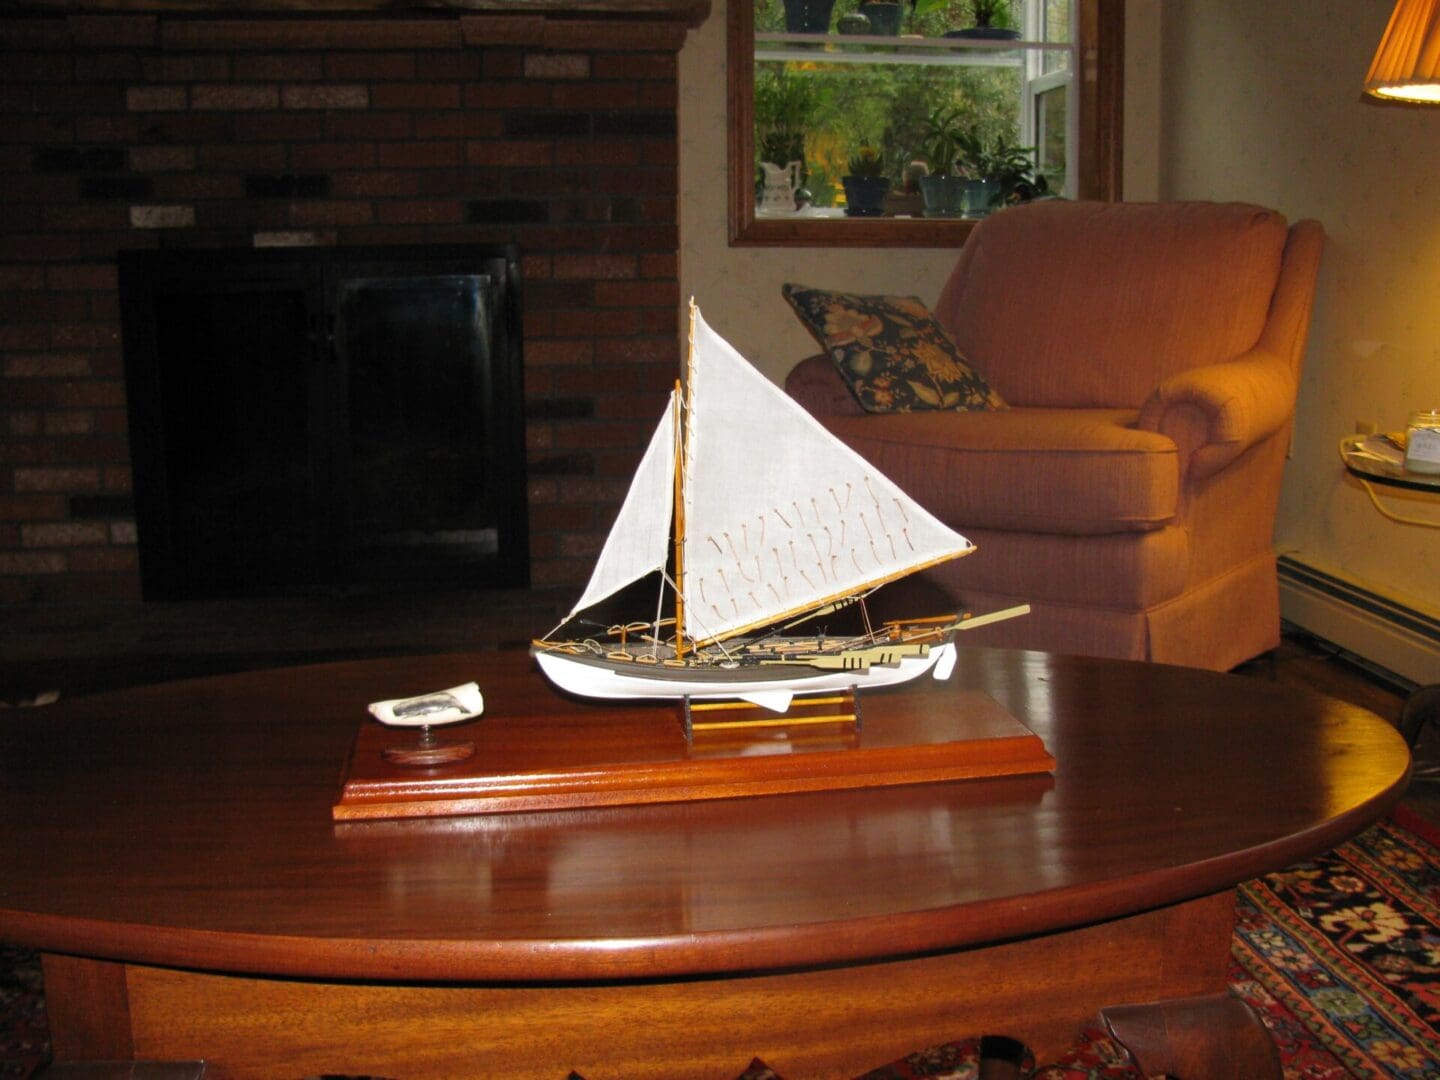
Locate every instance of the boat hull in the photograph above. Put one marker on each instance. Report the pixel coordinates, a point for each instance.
(772, 686)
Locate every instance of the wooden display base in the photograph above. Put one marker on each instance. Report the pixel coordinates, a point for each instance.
(535, 750)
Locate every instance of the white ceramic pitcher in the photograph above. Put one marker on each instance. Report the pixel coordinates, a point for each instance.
(781, 183)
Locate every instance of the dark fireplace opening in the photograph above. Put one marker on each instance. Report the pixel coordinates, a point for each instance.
(318, 419)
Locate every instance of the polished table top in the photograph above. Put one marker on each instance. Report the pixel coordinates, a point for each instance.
(188, 824)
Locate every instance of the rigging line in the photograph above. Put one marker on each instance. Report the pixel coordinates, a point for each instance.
(551, 633)
(659, 610)
(681, 450)
(695, 617)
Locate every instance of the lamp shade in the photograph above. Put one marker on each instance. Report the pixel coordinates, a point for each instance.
(1407, 64)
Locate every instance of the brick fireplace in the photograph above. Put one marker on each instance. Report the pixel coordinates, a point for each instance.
(555, 132)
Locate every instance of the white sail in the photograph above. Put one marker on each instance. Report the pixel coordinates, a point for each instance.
(640, 540)
(780, 515)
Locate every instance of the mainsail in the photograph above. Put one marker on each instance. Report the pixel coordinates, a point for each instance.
(782, 517)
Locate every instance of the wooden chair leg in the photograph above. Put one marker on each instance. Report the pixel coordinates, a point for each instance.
(1214, 1037)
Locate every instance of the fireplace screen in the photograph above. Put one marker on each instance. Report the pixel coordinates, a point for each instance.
(314, 419)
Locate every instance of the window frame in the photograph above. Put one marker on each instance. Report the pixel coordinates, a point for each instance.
(1101, 27)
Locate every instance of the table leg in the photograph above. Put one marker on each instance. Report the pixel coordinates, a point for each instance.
(88, 1004)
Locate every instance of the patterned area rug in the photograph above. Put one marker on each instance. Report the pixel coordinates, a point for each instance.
(24, 1036)
(1341, 956)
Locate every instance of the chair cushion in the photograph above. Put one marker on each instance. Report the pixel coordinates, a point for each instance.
(1095, 304)
(1060, 471)
(1120, 571)
(890, 351)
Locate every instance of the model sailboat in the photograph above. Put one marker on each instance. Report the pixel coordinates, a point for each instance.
(759, 523)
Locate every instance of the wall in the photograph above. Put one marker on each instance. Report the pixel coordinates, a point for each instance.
(739, 288)
(1262, 102)
(138, 131)
(1224, 100)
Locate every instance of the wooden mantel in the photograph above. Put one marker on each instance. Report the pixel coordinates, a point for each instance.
(689, 12)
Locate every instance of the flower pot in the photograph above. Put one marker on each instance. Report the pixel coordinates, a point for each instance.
(944, 195)
(865, 195)
(884, 16)
(808, 16)
(985, 33)
(979, 195)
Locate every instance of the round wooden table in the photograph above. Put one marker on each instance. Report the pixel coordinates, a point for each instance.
(171, 851)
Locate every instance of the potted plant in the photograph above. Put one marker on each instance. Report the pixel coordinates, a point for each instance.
(992, 21)
(947, 137)
(866, 184)
(1012, 169)
(992, 18)
(1000, 174)
(884, 15)
(808, 16)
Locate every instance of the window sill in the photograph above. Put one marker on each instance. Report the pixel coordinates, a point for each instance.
(896, 232)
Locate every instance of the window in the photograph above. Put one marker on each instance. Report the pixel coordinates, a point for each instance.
(1051, 89)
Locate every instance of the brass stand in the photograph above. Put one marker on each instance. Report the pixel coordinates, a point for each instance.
(427, 750)
(842, 708)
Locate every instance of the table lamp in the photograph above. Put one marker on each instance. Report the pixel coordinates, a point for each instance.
(1407, 63)
(1407, 68)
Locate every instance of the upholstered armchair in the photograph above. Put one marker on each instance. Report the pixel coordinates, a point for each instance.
(1149, 356)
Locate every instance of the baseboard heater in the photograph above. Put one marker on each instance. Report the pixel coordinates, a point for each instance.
(1391, 639)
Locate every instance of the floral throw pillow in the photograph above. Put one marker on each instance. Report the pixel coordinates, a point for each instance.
(891, 351)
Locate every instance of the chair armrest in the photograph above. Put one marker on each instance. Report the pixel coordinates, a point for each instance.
(1217, 412)
(818, 387)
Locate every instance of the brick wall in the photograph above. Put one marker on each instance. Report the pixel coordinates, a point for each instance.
(142, 131)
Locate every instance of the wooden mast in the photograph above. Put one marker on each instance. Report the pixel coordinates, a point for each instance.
(681, 428)
(679, 513)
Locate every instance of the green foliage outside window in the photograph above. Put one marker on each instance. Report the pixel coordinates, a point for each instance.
(821, 112)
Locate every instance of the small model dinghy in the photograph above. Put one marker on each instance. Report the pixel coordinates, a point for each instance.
(758, 524)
